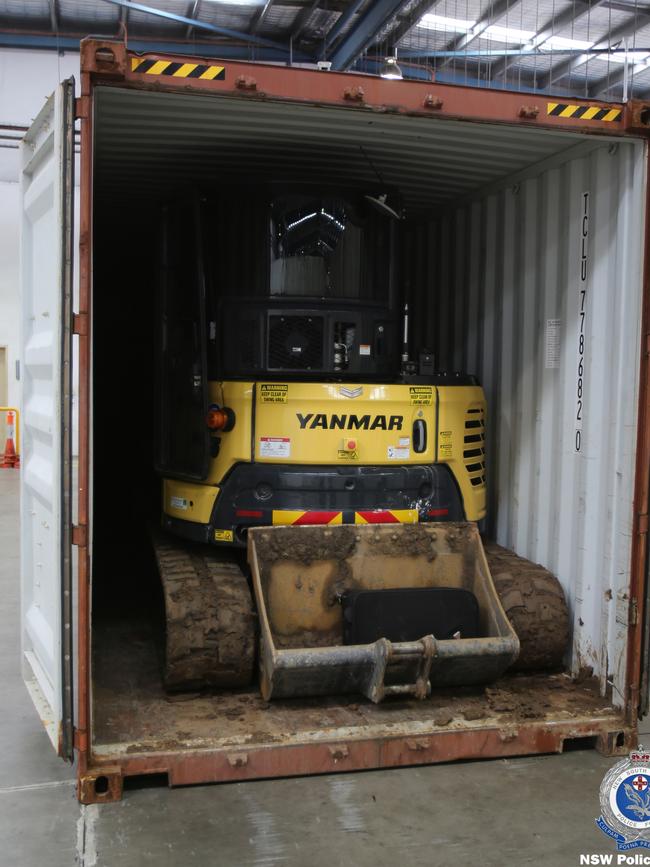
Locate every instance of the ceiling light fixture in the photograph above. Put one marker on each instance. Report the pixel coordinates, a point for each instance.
(390, 69)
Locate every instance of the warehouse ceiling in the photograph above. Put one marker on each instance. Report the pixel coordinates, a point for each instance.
(588, 48)
(148, 145)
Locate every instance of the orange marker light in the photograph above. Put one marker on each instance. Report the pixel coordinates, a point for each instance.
(216, 419)
(220, 418)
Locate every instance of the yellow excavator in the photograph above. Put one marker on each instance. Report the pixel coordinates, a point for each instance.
(289, 393)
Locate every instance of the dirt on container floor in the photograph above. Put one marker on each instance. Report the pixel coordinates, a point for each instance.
(133, 713)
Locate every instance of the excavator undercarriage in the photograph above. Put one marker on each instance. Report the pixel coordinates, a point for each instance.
(210, 621)
(212, 624)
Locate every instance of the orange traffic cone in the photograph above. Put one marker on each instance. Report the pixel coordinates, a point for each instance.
(10, 459)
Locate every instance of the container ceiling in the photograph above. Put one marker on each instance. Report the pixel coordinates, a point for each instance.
(150, 144)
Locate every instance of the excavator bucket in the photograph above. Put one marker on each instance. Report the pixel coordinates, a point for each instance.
(377, 609)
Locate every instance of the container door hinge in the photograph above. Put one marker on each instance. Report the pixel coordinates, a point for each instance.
(81, 108)
(80, 323)
(634, 612)
(80, 535)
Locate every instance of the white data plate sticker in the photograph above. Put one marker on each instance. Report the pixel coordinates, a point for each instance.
(364, 349)
(396, 453)
(178, 503)
(275, 447)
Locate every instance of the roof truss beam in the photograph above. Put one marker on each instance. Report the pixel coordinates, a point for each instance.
(200, 25)
(54, 17)
(407, 22)
(630, 6)
(302, 19)
(611, 40)
(341, 23)
(493, 12)
(607, 82)
(364, 32)
(259, 17)
(551, 28)
(193, 12)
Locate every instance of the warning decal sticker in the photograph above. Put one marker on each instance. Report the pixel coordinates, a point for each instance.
(275, 447)
(421, 395)
(273, 392)
(446, 445)
(223, 536)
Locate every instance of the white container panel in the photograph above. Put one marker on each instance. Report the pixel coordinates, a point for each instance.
(46, 176)
(560, 372)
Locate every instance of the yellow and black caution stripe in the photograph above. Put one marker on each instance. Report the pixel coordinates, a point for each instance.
(373, 516)
(584, 112)
(178, 70)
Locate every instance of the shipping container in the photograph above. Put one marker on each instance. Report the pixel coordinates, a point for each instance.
(525, 257)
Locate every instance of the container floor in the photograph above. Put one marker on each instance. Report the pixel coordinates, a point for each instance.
(134, 715)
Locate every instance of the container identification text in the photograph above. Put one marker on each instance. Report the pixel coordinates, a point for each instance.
(582, 319)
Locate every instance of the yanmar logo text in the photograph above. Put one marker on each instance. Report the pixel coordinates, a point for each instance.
(349, 422)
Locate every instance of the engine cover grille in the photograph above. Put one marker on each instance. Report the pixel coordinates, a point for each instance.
(295, 343)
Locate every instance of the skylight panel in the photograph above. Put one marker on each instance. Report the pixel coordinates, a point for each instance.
(440, 22)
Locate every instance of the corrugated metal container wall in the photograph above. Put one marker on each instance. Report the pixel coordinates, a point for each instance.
(551, 326)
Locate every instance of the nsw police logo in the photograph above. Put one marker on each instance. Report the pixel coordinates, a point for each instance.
(625, 802)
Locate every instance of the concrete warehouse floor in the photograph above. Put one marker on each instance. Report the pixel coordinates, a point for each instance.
(505, 812)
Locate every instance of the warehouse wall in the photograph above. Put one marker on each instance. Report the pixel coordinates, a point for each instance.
(504, 277)
(26, 79)
(9, 302)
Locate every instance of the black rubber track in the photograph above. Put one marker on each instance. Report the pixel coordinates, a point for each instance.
(534, 602)
(210, 635)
